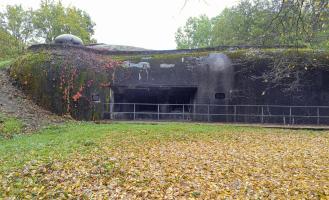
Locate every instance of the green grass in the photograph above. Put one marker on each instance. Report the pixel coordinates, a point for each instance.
(59, 142)
(5, 63)
(68, 160)
(9, 126)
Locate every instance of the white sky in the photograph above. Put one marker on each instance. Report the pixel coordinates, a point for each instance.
(142, 23)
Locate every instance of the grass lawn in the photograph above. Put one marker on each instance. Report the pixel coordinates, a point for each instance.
(9, 126)
(165, 161)
(5, 63)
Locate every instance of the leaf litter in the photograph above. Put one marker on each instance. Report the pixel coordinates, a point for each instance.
(239, 166)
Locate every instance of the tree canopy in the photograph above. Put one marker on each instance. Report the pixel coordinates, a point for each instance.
(51, 19)
(196, 33)
(9, 44)
(261, 22)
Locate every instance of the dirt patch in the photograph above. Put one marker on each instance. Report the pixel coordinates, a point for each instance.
(14, 103)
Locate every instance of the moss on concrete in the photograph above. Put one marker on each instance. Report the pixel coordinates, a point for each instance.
(59, 83)
(55, 78)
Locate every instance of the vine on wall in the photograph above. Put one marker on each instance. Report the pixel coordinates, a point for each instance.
(60, 79)
(86, 71)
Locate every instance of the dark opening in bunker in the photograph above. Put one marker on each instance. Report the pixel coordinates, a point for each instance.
(220, 95)
(151, 100)
(95, 98)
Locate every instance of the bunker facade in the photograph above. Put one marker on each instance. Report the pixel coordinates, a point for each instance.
(200, 85)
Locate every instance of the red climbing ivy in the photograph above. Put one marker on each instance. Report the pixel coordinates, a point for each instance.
(79, 60)
(78, 95)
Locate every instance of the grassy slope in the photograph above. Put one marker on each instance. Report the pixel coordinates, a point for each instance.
(4, 63)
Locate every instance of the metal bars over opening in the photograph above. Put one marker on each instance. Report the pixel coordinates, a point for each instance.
(271, 114)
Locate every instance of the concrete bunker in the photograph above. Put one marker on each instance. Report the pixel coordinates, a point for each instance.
(217, 85)
(146, 100)
(170, 88)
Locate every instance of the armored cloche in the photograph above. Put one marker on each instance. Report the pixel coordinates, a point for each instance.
(68, 39)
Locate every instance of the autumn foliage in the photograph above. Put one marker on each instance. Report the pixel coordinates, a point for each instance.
(176, 161)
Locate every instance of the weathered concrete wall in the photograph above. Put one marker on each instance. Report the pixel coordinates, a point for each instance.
(209, 73)
(286, 78)
(65, 79)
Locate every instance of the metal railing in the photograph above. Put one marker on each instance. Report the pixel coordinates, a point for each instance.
(277, 114)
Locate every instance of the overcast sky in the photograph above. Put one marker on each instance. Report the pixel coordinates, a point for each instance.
(142, 23)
